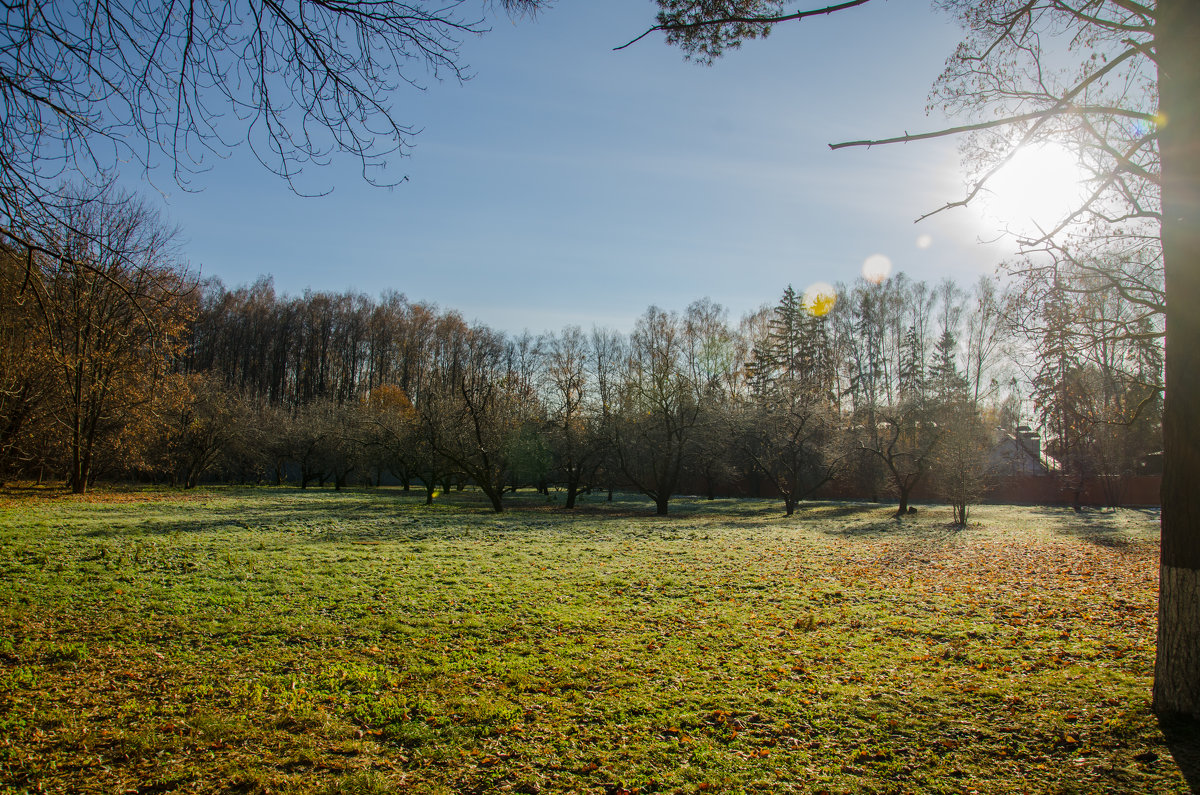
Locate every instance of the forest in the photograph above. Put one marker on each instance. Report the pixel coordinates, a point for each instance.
(119, 364)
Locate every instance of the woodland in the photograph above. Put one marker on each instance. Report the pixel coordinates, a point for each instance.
(132, 371)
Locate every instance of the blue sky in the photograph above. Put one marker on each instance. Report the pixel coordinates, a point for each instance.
(570, 184)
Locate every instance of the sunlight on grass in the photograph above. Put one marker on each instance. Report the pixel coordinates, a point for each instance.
(285, 641)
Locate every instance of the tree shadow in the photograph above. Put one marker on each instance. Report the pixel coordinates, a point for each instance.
(828, 509)
(1102, 527)
(1182, 736)
(886, 524)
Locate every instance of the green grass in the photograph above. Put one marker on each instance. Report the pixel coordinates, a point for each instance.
(285, 641)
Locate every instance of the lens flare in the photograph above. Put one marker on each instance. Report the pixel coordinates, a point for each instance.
(876, 268)
(924, 241)
(819, 299)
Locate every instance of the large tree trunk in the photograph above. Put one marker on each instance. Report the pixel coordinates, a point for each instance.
(1177, 668)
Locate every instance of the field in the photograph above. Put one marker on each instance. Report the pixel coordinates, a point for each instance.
(283, 641)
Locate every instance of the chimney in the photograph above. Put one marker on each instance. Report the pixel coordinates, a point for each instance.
(1031, 440)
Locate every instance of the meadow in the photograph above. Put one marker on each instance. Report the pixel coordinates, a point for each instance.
(287, 641)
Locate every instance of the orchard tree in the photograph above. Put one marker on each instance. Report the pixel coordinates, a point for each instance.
(572, 429)
(478, 407)
(199, 426)
(658, 409)
(1117, 81)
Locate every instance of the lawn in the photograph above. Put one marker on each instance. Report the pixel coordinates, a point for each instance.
(310, 641)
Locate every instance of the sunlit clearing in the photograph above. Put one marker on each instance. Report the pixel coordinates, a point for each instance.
(819, 299)
(1037, 189)
(876, 268)
(924, 241)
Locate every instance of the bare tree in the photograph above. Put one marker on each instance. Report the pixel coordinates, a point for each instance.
(86, 86)
(658, 407)
(572, 429)
(959, 461)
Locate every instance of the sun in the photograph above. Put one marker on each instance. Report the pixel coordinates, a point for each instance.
(1035, 190)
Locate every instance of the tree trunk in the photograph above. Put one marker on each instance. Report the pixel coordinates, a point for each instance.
(1177, 667)
(496, 496)
(78, 482)
(660, 504)
(572, 493)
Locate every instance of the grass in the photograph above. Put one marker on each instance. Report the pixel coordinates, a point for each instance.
(283, 641)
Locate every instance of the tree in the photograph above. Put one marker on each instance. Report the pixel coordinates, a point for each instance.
(959, 461)
(1127, 103)
(201, 425)
(787, 427)
(391, 431)
(710, 359)
(658, 407)
(476, 406)
(26, 374)
(608, 354)
(301, 439)
(113, 314)
(572, 430)
(1096, 393)
(88, 85)
(906, 440)
(986, 333)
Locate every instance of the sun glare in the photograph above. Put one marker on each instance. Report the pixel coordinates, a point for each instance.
(1036, 190)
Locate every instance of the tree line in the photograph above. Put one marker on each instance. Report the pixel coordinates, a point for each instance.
(124, 366)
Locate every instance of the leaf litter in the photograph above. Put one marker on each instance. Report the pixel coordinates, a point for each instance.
(282, 641)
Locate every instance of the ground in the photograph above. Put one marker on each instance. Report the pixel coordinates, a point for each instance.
(272, 640)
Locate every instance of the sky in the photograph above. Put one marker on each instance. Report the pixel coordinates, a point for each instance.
(570, 184)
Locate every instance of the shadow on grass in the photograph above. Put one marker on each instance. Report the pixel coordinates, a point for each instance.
(1104, 527)
(385, 515)
(836, 510)
(1183, 738)
(880, 521)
